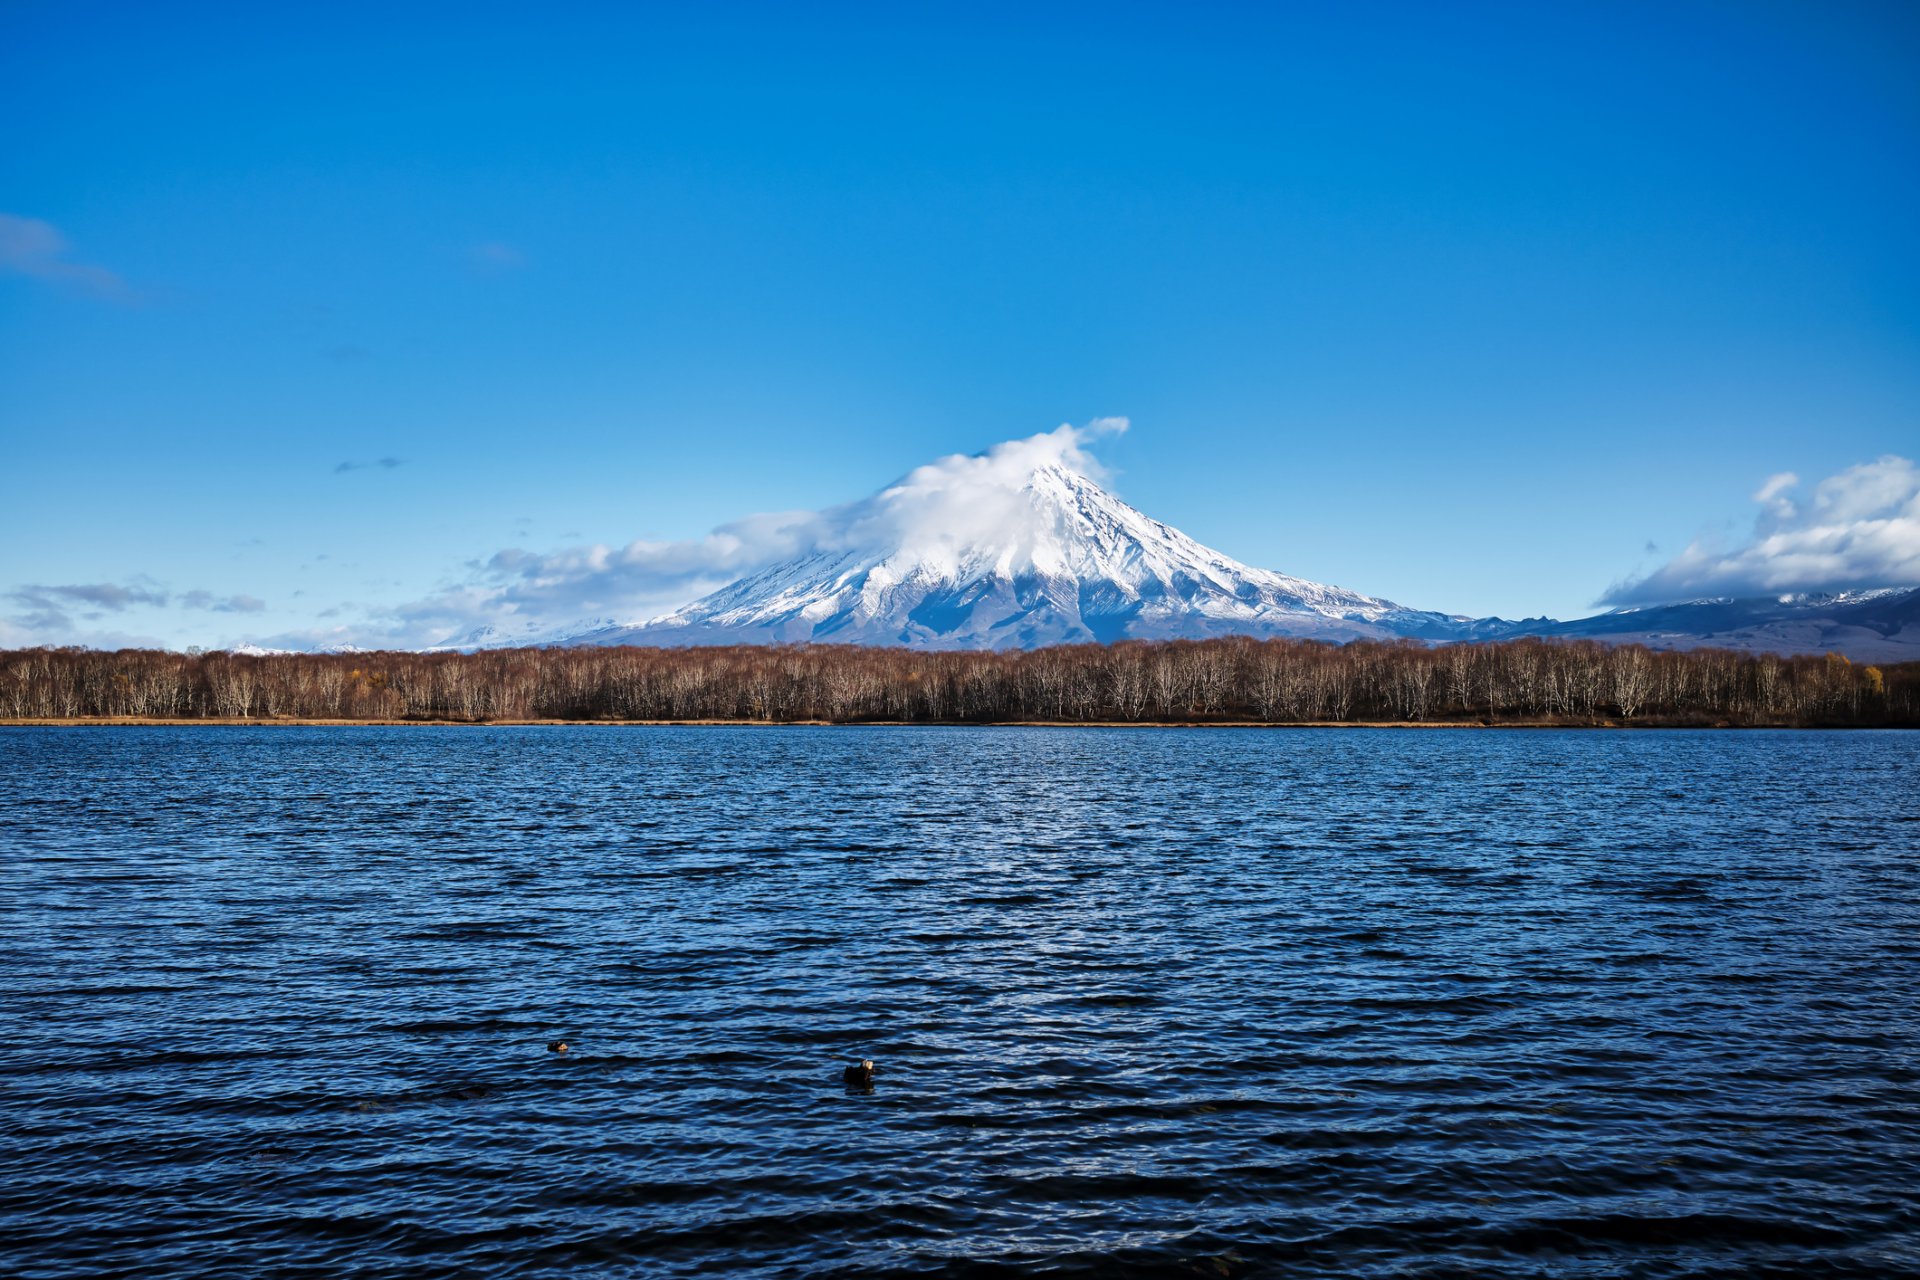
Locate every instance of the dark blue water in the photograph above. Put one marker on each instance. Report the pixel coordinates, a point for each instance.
(1144, 1002)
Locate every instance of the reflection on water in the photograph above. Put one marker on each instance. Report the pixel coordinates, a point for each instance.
(1143, 1002)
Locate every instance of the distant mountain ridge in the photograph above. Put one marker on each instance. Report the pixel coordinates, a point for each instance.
(1043, 555)
(1881, 625)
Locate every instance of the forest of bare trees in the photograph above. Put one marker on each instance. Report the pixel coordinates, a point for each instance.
(1225, 680)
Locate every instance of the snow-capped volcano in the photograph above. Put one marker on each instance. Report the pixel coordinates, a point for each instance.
(1016, 548)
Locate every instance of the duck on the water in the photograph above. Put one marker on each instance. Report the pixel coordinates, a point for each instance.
(859, 1075)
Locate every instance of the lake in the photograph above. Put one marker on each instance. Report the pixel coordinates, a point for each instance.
(1143, 1002)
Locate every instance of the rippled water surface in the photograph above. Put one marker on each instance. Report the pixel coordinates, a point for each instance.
(1144, 1002)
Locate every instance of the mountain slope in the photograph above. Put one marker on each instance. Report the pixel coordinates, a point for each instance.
(1040, 556)
(1867, 626)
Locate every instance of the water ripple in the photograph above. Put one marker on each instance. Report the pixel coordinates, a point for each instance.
(1145, 1003)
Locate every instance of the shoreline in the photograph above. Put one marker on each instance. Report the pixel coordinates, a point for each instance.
(294, 722)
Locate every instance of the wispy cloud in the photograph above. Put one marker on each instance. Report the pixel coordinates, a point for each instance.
(1860, 528)
(60, 613)
(36, 249)
(221, 604)
(110, 596)
(383, 464)
(496, 255)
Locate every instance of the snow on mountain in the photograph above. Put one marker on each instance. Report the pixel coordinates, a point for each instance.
(1015, 556)
(525, 635)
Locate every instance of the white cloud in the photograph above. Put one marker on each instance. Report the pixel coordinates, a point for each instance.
(1860, 528)
(967, 500)
(1773, 499)
(30, 247)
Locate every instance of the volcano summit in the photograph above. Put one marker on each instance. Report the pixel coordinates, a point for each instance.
(1017, 548)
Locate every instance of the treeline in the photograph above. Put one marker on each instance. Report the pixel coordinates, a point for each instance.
(1224, 680)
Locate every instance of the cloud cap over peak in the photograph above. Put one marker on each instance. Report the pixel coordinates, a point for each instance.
(1010, 462)
(1858, 529)
(967, 499)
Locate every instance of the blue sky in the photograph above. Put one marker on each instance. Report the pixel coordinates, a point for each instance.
(1488, 308)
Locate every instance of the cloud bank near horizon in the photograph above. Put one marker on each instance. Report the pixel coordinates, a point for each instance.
(520, 592)
(67, 613)
(1857, 529)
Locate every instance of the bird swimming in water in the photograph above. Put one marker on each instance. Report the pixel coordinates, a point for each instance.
(859, 1075)
(557, 1046)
